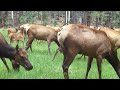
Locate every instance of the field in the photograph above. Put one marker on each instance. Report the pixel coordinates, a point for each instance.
(45, 68)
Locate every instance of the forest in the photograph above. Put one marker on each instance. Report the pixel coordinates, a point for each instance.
(96, 18)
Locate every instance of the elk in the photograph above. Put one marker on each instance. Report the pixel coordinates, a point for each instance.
(19, 36)
(25, 28)
(11, 30)
(75, 38)
(18, 56)
(41, 32)
(56, 28)
(113, 35)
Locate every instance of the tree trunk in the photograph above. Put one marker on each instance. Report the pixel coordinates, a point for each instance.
(16, 15)
(96, 24)
(3, 15)
(88, 17)
(73, 17)
(84, 18)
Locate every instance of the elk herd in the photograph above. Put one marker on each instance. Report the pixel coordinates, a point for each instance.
(71, 39)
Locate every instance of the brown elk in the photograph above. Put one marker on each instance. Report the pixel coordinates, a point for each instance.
(18, 56)
(41, 32)
(74, 39)
(11, 30)
(56, 28)
(113, 35)
(19, 36)
(25, 28)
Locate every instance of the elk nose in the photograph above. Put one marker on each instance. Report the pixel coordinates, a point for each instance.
(31, 68)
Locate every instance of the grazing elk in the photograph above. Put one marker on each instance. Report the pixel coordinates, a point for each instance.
(11, 30)
(18, 56)
(41, 32)
(75, 38)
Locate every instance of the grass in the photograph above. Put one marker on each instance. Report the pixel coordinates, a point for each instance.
(45, 68)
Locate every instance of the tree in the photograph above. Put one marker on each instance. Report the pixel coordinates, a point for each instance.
(3, 15)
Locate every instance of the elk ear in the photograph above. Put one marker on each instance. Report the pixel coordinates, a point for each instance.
(17, 47)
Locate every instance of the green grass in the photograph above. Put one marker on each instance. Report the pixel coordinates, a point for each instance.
(45, 68)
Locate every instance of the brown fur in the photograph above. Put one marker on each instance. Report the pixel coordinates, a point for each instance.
(11, 30)
(14, 54)
(75, 38)
(41, 32)
(113, 35)
(19, 36)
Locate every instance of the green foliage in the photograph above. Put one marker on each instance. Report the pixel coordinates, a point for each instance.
(55, 23)
(49, 17)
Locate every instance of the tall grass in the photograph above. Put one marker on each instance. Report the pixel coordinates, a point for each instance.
(45, 68)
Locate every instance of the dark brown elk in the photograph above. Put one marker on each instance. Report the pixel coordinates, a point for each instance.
(75, 38)
(18, 56)
(41, 32)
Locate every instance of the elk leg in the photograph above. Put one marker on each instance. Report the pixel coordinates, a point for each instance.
(56, 53)
(49, 43)
(68, 59)
(31, 47)
(4, 61)
(23, 43)
(81, 56)
(29, 43)
(114, 61)
(90, 59)
(84, 56)
(99, 61)
(25, 36)
(56, 41)
(17, 42)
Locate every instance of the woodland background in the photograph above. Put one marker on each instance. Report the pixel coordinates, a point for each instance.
(96, 18)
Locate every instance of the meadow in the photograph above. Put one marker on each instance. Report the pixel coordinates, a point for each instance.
(45, 68)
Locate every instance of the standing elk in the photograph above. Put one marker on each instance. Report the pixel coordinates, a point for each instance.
(113, 35)
(75, 38)
(18, 36)
(41, 32)
(18, 56)
(25, 28)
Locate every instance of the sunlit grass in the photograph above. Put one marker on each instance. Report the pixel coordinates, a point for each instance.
(45, 68)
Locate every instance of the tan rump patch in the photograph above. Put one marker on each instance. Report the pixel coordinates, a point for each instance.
(26, 26)
(62, 35)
